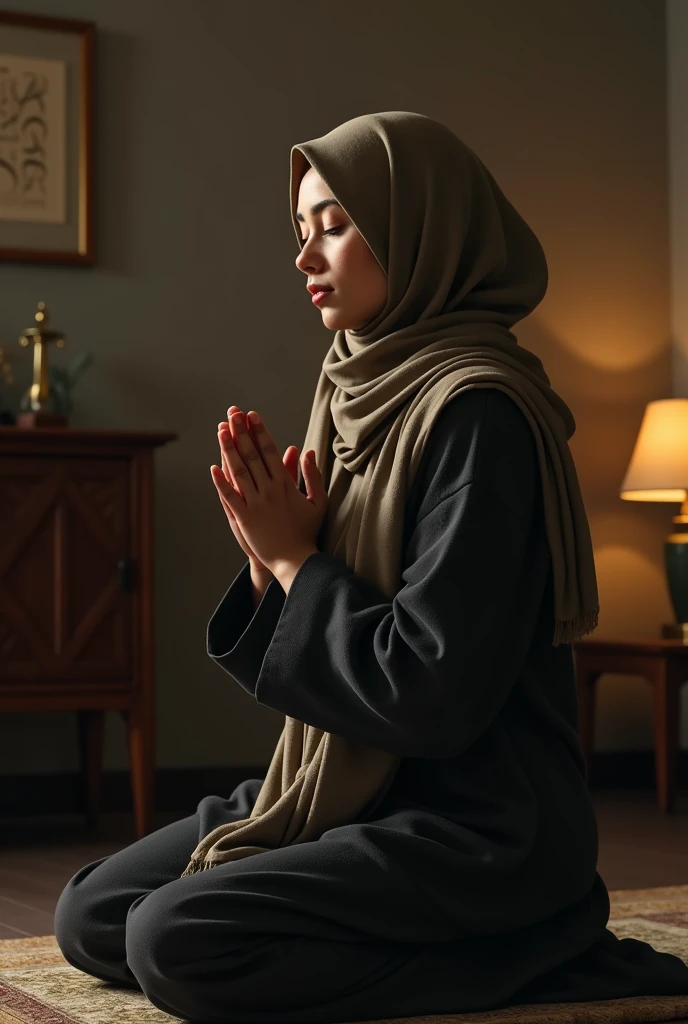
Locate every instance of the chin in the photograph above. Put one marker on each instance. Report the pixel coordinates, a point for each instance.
(338, 320)
(334, 321)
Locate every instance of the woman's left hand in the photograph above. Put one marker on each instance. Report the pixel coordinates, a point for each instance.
(279, 523)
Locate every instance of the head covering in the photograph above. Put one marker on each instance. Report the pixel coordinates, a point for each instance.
(462, 268)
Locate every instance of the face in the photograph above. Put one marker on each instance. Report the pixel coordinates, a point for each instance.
(336, 254)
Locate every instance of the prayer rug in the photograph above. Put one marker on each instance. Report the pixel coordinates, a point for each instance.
(38, 986)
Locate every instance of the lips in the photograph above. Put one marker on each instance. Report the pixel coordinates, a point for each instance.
(313, 288)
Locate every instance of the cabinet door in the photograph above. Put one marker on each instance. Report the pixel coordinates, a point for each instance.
(64, 528)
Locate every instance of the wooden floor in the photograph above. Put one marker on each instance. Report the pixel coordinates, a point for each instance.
(640, 847)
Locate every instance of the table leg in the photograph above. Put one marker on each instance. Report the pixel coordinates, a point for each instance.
(141, 742)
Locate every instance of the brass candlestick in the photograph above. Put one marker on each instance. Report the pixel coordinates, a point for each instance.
(38, 395)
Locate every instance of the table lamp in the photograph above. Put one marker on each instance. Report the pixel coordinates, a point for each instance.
(658, 471)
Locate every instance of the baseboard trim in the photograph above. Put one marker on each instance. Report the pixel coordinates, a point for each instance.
(175, 789)
(178, 789)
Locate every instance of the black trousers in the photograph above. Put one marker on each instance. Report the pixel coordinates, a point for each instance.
(325, 931)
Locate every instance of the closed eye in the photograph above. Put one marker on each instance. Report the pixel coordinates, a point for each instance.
(330, 231)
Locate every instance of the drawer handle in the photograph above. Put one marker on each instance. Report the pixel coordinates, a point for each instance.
(126, 568)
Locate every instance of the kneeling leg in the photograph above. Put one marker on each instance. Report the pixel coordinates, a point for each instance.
(91, 911)
(331, 930)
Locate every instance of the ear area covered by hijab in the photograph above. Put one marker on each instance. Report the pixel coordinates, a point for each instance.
(433, 216)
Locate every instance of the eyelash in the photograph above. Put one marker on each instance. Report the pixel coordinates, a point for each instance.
(330, 231)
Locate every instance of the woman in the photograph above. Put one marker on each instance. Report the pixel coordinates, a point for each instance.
(423, 841)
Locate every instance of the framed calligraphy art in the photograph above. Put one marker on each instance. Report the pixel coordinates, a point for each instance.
(46, 139)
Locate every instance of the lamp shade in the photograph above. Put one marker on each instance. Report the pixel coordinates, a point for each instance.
(658, 470)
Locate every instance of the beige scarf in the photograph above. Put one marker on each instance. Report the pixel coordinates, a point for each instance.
(462, 267)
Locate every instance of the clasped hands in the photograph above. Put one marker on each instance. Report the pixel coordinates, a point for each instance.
(273, 521)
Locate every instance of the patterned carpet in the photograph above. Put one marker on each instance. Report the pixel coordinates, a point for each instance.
(37, 985)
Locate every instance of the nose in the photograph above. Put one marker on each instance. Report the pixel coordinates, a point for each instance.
(304, 260)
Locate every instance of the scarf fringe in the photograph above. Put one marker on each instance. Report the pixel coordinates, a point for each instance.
(196, 865)
(568, 630)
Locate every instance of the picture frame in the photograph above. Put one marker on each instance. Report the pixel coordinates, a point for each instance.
(46, 139)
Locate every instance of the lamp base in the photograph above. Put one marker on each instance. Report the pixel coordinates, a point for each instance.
(675, 631)
(41, 419)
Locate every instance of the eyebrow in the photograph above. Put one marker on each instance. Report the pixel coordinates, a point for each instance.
(318, 207)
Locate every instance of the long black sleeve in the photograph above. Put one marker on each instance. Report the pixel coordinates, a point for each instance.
(425, 674)
(238, 636)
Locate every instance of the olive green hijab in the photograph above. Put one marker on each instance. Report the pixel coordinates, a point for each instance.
(462, 268)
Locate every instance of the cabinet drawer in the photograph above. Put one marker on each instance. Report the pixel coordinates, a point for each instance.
(65, 526)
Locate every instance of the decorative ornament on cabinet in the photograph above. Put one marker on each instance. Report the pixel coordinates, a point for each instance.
(48, 402)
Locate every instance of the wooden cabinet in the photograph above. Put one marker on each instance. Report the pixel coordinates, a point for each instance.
(76, 589)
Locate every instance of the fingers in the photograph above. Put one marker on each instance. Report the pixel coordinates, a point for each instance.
(229, 496)
(224, 470)
(290, 460)
(249, 453)
(245, 464)
(225, 424)
(255, 448)
(225, 464)
(261, 440)
(232, 409)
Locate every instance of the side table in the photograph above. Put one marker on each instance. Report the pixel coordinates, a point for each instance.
(664, 663)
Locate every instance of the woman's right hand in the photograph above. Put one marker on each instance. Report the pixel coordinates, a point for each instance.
(291, 462)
